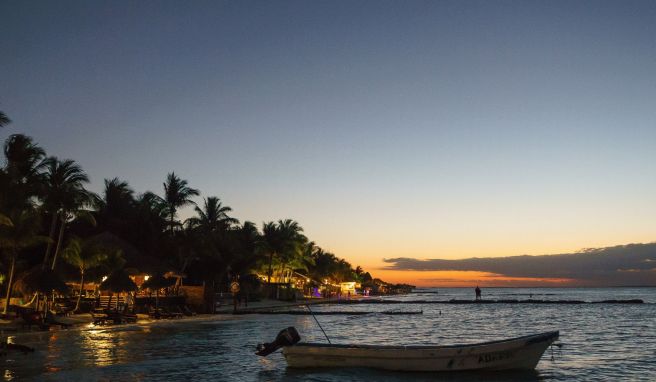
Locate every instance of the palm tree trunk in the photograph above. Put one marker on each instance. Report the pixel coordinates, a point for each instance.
(59, 241)
(184, 265)
(10, 282)
(79, 296)
(270, 267)
(51, 236)
(172, 220)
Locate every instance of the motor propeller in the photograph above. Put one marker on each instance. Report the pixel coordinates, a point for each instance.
(286, 337)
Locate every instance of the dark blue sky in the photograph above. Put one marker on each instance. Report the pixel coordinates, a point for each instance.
(387, 129)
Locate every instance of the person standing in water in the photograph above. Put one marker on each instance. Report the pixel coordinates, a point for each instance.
(478, 293)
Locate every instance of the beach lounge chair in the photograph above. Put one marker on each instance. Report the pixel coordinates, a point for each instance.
(100, 318)
(159, 313)
(119, 317)
(62, 309)
(155, 313)
(126, 316)
(171, 313)
(175, 311)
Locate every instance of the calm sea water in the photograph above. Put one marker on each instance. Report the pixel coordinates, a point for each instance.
(600, 341)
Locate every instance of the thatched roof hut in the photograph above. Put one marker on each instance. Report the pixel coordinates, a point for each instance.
(158, 282)
(118, 282)
(40, 280)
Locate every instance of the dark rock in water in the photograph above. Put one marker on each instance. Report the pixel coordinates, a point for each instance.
(18, 347)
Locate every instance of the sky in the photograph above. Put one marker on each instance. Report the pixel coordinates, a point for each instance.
(387, 129)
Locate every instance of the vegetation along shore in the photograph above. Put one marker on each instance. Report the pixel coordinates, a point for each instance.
(120, 253)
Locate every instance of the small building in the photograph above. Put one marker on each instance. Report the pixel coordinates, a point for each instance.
(349, 287)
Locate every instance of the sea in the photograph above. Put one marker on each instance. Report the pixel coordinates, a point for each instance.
(598, 342)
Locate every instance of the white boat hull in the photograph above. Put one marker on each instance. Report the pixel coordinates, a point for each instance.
(517, 353)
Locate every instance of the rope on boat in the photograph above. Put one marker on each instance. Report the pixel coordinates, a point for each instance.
(315, 319)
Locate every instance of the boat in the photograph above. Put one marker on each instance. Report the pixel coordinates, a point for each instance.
(519, 353)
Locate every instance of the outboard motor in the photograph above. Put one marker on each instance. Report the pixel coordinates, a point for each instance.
(286, 337)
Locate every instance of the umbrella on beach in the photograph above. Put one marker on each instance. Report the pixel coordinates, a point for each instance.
(158, 282)
(118, 282)
(39, 280)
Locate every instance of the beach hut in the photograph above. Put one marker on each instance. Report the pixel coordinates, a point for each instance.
(118, 282)
(40, 281)
(347, 287)
(158, 282)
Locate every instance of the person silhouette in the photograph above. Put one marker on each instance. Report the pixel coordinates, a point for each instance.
(478, 293)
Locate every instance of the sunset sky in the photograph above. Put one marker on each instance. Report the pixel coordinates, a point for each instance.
(388, 129)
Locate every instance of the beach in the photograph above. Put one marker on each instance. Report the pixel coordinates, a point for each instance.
(599, 341)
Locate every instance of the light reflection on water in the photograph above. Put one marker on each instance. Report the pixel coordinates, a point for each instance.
(609, 341)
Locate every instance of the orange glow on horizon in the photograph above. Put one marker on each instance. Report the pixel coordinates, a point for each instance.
(465, 279)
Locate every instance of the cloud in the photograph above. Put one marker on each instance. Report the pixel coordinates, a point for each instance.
(633, 264)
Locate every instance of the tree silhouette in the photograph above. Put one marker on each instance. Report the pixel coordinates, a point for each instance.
(84, 257)
(177, 194)
(64, 196)
(4, 120)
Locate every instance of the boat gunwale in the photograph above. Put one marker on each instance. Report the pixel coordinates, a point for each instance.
(537, 338)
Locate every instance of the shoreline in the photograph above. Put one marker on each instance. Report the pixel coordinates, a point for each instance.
(89, 326)
(84, 321)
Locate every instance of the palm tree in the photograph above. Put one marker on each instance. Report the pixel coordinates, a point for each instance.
(208, 237)
(188, 244)
(212, 216)
(177, 194)
(20, 183)
(344, 272)
(116, 209)
(149, 223)
(83, 257)
(64, 197)
(245, 241)
(4, 120)
(22, 233)
(271, 243)
(324, 264)
(293, 257)
(117, 200)
(20, 179)
(281, 240)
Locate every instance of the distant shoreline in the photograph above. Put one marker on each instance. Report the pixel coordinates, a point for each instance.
(535, 287)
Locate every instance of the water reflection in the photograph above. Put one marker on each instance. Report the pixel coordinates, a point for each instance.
(9, 375)
(379, 375)
(601, 342)
(101, 345)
